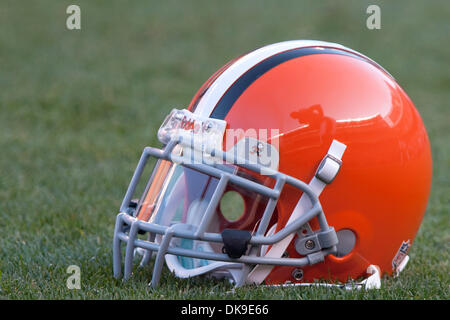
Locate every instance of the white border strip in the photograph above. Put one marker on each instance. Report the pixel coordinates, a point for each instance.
(218, 88)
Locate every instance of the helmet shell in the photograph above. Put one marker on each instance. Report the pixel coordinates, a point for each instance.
(326, 93)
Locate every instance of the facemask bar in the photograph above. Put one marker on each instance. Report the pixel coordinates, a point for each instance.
(127, 226)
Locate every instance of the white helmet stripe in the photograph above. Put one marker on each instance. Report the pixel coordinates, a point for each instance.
(218, 88)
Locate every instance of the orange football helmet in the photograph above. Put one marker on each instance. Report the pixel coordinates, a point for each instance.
(328, 154)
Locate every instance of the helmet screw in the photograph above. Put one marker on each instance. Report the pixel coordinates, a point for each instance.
(178, 116)
(260, 146)
(285, 255)
(297, 274)
(309, 244)
(208, 126)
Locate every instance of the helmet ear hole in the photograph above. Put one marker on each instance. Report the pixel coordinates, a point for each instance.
(232, 205)
(347, 241)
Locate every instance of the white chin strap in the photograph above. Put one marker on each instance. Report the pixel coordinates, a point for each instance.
(327, 171)
(401, 266)
(374, 280)
(371, 282)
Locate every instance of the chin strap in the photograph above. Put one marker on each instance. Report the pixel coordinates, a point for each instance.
(374, 280)
(325, 174)
(371, 282)
(401, 266)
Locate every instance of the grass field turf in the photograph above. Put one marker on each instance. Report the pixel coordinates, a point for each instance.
(78, 107)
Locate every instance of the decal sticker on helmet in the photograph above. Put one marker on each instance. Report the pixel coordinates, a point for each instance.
(401, 254)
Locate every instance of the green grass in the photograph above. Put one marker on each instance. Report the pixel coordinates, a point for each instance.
(77, 108)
